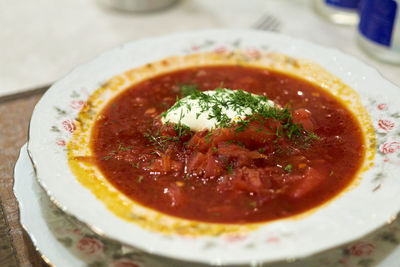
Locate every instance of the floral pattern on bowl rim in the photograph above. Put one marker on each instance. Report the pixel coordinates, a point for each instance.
(57, 109)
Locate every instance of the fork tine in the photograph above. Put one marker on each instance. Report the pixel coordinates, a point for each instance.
(267, 22)
(273, 26)
(262, 20)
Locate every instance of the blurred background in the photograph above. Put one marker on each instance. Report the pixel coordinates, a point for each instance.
(42, 40)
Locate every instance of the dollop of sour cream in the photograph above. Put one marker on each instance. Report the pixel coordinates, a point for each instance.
(215, 108)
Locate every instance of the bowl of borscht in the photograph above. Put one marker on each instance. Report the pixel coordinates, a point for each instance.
(222, 146)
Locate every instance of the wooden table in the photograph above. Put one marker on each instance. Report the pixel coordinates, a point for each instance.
(16, 248)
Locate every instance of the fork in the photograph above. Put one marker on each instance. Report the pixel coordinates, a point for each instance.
(267, 22)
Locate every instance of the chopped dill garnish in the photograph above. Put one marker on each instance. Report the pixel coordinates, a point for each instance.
(252, 204)
(107, 157)
(240, 144)
(135, 165)
(208, 139)
(121, 147)
(311, 136)
(155, 140)
(229, 168)
(181, 129)
(140, 179)
(188, 89)
(288, 168)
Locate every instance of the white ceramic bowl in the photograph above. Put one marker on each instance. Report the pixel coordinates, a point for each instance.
(369, 205)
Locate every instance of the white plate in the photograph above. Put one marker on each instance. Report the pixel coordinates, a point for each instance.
(59, 238)
(373, 203)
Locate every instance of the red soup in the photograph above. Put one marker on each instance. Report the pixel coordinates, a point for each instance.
(259, 173)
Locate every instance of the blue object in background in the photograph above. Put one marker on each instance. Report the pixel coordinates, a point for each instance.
(351, 4)
(377, 19)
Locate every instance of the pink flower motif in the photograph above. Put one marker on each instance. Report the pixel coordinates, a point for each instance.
(221, 50)
(382, 106)
(187, 237)
(235, 238)
(195, 47)
(69, 125)
(386, 160)
(76, 231)
(253, 53)
(89, 245)
(78, 104)
(385, 125)
(125, 262)
(60, 142)
(389, 147)
(361, 249)
(273, 239)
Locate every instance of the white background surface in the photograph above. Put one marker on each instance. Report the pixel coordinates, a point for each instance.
(42, 40)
